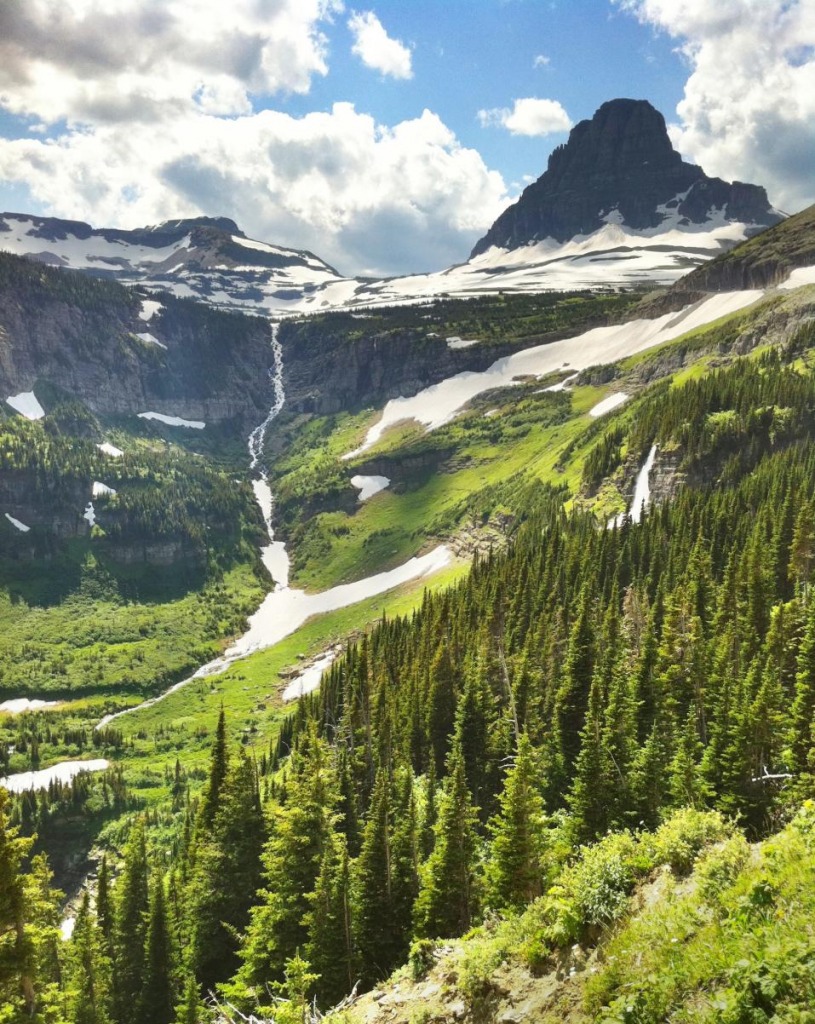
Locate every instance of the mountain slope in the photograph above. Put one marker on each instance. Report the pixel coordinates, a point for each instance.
(762, 261)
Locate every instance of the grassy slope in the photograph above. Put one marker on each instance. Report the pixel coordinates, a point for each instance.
(731, 942)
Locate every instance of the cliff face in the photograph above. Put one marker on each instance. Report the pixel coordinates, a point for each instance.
(620, 167)
(82, 336)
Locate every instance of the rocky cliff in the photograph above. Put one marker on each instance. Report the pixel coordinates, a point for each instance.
(119, 354)
(619, 167)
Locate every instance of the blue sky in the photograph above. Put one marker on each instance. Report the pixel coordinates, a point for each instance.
(384, 136)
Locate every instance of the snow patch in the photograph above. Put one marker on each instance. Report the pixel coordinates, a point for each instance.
(89, 515)
(100, 489)
(110, 449)
(26, 404)
(149, 339)
(309, 680)
(18, 705)
(17, 524)
(172, 421)
(456, 342)
(368, 486)
(439, 403)
(64, 772)
(149, 308)
(607, 404)
(798, 278)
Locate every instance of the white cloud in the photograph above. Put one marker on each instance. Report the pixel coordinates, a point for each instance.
(126, 60)
(528, 116)
(541, 61)
(367, 198)
(376, 49)
(748, 110)
(152, 112)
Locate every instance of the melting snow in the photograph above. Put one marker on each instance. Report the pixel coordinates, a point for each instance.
(148, 338)
(607, 404)
(172, 421)
(100, 489)
(309, 680)
(110, 449)
(368, 486)
(439, 403)
(17, 705)
(149, 308)
(65, 771)
(456, 342)
(799, 277)
(90, 514)
(26, 404)
(17, 524)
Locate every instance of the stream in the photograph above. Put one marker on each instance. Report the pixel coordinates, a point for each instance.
(284, 609)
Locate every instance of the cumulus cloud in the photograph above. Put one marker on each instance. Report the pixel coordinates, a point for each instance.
(153, 112)
(541, 61)
(376, 49)
(748, 110)
(126, 60)
(528, 116)
(365, 197)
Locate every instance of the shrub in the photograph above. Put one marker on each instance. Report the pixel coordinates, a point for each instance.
(595, 888)
(679, 840)
(719, 868)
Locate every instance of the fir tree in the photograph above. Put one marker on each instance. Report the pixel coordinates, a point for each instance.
(158, 996)
(515, 870)
(447, 899)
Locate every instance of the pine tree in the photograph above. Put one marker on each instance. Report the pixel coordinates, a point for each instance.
(17, 981)
(219, 910)
(291, 860)
(373, 879)
(447, 899)
(89, 982)
(104, 909)
(158, 996)
(130, 927)
(515, 870)
(803, 707)
(190, 1009)
(331, 949)
(218, 766)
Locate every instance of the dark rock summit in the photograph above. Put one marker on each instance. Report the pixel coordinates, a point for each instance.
(620, 167)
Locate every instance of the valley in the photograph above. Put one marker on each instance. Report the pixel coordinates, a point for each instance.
(442, 628)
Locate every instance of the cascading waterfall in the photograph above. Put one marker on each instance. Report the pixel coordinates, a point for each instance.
(257, 439)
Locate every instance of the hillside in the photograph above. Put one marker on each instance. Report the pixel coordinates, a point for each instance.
(765, 260)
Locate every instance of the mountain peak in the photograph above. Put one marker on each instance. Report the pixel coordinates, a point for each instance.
(619, 167)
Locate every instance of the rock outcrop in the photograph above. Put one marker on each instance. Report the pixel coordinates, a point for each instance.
(619, 167)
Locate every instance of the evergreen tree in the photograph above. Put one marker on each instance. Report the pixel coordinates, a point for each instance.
(516, 870)
(130, 927)
(17, 967)
(218, 766)
(89, 982)
(331, 949)
(158, 996)
(226, 876)
(447, 899)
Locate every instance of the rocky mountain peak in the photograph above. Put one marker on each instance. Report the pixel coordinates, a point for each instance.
(620, 167)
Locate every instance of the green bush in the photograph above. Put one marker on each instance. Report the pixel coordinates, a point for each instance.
(679, 840)
(420, 958)
(719, 867)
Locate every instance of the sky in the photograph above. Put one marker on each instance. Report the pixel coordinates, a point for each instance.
(385, 136)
